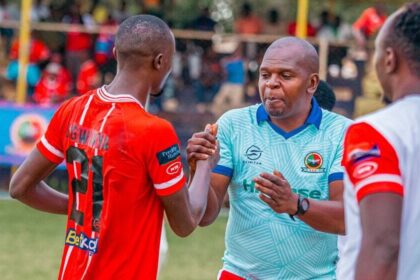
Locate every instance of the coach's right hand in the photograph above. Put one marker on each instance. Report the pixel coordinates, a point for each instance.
(203, 146)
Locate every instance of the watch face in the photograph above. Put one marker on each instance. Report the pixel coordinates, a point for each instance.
(305, 204)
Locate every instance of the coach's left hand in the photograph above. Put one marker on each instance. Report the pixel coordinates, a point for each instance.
(276, 192)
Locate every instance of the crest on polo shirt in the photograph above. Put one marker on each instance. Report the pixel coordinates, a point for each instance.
(313, 163)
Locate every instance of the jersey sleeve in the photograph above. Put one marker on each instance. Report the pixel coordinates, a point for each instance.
(371, 162)
(336, 172)
(51, 145)
(164, 160)
(225, 165)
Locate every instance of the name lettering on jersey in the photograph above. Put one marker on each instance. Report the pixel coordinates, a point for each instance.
(87, 136)
(313, 163)
(253, 153)
(82, 241)
(168, 154)
(249, 186)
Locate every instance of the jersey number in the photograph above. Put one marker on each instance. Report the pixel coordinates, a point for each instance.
(80, 185)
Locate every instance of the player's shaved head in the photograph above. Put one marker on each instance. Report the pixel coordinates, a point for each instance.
(143, 35)
(305, 52)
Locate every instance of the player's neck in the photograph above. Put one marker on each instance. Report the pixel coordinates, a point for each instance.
(409, 85)
(129, 83)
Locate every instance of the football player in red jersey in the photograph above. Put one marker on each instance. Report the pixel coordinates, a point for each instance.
(123, 163)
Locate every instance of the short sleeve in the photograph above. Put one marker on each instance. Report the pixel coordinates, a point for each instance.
(164, 159)
(336, 172)
(371, 162)
(51, 145)
(225, 165)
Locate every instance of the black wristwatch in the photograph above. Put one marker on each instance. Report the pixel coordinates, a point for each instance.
(302, 207)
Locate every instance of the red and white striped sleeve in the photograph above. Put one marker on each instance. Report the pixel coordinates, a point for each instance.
(371, 162)
(164, 160)
(50, 145)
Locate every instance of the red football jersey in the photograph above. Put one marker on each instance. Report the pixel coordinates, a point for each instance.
(120, 159)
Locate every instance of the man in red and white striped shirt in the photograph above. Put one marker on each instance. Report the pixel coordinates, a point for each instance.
(123, 163)
(381, 153)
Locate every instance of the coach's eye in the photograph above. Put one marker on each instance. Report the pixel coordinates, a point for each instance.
(264, 75)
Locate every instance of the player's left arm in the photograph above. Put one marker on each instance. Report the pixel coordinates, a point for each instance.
(380, 216)
(27, 186)
(373, 168)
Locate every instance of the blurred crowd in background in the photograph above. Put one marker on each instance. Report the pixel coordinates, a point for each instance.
(215, 75)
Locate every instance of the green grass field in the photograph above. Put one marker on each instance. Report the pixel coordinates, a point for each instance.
(31, 244)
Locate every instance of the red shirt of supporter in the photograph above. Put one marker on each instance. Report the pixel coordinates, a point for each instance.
(249, 25)
(54, 86)
(369, 22)
(291, 29)
(88, 78)
(38, 51)
(120, 159)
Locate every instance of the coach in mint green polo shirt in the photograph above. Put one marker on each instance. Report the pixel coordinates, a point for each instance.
(281, 164)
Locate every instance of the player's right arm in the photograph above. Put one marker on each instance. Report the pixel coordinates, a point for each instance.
(373, 169)
(27, 186)
(221, 176)
(184, 204)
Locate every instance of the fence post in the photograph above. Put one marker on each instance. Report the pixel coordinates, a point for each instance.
(302, 19)
(24, 44)
(323, 58)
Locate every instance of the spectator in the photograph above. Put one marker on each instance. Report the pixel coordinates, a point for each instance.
(209, 82)
(325, 96)
(40, 11)
(204, 22)
(121, 14)
(38, 55)
(104, 57)
(274, 25)
(231, 93)
(368, 24)
(88, 77)
(54, 86)
(291, 29)
(78, 44)
(248, 23)
(7, 12)
(325, 28)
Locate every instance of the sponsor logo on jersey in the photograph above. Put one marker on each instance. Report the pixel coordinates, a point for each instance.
(360, 153)
(81, 241)
(365, 169)
(313, 163)
(249, 186)
(252, 154)
(173, 168)
(168, 154)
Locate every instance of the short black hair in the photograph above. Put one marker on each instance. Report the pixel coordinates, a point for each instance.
(325, 96)
(404, 35)
(142, 35)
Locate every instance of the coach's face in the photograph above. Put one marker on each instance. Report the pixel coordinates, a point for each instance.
(285, 83)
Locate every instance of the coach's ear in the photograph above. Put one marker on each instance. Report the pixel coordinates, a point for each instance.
(313, 83)
(114, 52)
(158, 61)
